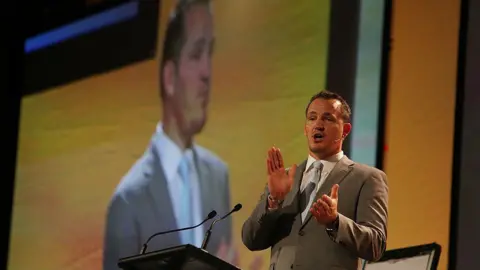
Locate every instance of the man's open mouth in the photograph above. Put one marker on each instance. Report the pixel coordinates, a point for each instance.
(317, 136)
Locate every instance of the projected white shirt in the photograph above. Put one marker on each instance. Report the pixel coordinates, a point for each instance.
(171, 156)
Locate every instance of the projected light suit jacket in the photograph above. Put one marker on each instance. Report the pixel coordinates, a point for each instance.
(142, 206)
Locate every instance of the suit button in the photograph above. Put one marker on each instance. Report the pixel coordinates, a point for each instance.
(291, 266)
(301, 233)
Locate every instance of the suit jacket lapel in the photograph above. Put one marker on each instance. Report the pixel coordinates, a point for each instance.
(336, 176)
(296, 183)
(158, 191)
(204, 180)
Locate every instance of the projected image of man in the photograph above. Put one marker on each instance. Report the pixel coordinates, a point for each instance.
(177, 182)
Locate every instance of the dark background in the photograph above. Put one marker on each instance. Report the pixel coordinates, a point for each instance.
(465, 220)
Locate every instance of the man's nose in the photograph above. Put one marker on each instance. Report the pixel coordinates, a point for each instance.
(319, 127)
(206, 70)
(205, 79)
(320, 123)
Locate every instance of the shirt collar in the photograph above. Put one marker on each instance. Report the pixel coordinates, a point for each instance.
(169, 153)
(328, 163)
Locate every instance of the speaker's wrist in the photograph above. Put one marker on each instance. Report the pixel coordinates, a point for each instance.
(273, 202)
(334, 225)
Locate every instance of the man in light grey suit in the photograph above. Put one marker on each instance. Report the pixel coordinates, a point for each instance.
(328, 212)
(176, 183)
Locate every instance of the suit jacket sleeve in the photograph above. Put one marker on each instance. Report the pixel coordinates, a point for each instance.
(368, 235)
(228, 206)
(258, 228)
(229, 252)
(121, 238)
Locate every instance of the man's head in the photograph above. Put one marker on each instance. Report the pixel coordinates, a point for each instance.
(185, 69)
(327, 124)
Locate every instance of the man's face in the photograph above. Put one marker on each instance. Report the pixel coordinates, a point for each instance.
(191, 89)
(325, 128)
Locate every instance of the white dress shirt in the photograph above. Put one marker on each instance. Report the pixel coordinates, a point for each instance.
(171, 156)
(328, 165)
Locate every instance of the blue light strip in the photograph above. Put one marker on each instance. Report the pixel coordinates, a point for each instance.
(92, 23)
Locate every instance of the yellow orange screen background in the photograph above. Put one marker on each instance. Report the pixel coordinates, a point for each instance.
(78, 140)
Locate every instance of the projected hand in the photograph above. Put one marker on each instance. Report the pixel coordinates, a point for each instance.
(279, 182)
(325, 209)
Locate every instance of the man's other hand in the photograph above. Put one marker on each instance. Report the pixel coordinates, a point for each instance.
(325, 209)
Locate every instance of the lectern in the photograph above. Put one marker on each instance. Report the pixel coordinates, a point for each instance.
(184, 257)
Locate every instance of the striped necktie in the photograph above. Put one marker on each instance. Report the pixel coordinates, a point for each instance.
(307, 195)
(186, 214)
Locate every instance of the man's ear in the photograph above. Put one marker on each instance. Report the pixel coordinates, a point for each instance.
(168, 77)
(347, 127)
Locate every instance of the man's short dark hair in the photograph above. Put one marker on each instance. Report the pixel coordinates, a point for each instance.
(175, 34)
(327, 95)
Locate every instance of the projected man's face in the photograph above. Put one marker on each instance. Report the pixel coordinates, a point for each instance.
(193, 72)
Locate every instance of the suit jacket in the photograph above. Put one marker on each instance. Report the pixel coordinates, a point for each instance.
(141, 206)
(362, 232)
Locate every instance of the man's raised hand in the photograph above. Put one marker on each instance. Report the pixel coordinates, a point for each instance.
(279, 182)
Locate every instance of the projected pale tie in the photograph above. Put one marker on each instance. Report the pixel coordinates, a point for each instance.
(186, 215)
(308, 194)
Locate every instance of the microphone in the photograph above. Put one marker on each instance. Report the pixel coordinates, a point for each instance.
(206, 239)
(210, 216)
